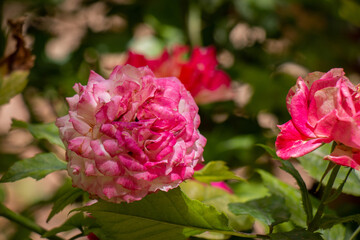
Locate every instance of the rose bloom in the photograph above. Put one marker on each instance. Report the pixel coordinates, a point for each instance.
(199, 73)
(324, 107)
(131, 134)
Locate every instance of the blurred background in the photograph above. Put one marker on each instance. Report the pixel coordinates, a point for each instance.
(264, 45)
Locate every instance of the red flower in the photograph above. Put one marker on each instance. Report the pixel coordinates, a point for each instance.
(199, 73)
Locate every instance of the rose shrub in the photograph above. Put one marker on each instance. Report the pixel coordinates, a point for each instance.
(199, 73)
(324, 107)
(131, 135)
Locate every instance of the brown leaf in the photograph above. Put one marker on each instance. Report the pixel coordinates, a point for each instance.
(21, 58)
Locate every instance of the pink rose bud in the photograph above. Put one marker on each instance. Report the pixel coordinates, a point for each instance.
(324, 107)
(131, 135)
(199, 74)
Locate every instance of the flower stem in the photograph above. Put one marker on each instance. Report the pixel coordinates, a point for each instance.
(357, 231)
(314, 224)
(23, 221)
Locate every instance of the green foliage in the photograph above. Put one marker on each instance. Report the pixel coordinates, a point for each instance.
(267, 44)
(329, 221)
(297, 234)
(12, 84)
(76, 221)
(46, 131)
(161, 215)
(270, 151)
(219, 198)
(65, 195)
(36, 167)
(291, 195)
(315, 165)
(349, 10)
(289, 168)
(269, 210)
(215, 171)
(249, 190)
(7, 160)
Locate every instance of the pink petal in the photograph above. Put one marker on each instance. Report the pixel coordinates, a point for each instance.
(299, 109)
(345, 156)
(291, 143)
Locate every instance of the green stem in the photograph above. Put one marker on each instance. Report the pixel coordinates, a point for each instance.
(314, 224)
(23, 221)
(357, 231)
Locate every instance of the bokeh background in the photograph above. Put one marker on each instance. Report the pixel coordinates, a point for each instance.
(264, 45)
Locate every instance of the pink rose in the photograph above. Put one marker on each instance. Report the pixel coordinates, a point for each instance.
(324, 107)
(131, 135)
(199, 74)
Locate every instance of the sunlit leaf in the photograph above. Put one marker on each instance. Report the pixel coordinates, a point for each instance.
(12, 84)
(337, 232)
(249, 190)
(36, 167)
(215, 171)
(46, 131)
(162, 215)
(218, 198)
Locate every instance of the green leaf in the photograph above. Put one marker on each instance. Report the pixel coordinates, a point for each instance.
(76, 221)
(269, 210)
(291, 195)
(215, 171)
(46, 131)
(7, 160)
(249, 190)
(297, 234)
(315, 165)
(219, 199)
(289, 168)
(12, 84)
(36, 167)
(337, 232)
(158, 216)
(66, 195)
(270, 151)
(329, 221)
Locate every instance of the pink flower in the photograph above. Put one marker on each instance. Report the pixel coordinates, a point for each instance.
(199, 74)
(131, 135)
(324, 107)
